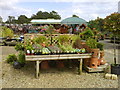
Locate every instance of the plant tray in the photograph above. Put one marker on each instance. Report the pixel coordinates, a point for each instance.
(100, 68)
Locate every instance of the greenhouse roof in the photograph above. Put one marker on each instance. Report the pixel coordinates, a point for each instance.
(73, 20)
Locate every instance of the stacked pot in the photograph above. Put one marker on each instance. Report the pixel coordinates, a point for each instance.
(94, 58)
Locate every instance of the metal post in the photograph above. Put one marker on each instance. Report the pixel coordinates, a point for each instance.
(114, 51)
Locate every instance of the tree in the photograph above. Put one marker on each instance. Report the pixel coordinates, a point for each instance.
(55, 15)
(46, 15)
(112, 24)
(75, 15)
(0, 19)
(11, 19)
(23, 19)
(97, 23)
(5, 32)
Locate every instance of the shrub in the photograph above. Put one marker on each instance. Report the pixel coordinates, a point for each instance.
(62, 39)
(40, 39)
(87, 33)
(21, 57)
(11, 58)
(19, 47)
(92, 43)
(100, 46)
(7, 32)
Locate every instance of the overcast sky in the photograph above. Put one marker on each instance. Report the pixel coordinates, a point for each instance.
(86, 9)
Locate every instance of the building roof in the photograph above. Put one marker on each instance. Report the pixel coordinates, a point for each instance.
(45, 21)
(73, 20)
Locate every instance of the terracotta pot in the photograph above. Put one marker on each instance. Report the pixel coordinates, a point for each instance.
(44, 65)
(99, 61)
(102, 58)
(86, 62)
(93, 62)
(60, 64)
(102, 61)
(95, 52)
(102, 54)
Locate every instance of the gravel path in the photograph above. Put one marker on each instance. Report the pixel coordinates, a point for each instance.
(52, 78)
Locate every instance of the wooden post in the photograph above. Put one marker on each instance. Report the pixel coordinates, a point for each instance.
(37, 69)
(80, 67)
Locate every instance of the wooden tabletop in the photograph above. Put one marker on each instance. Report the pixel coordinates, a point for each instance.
(56, 57)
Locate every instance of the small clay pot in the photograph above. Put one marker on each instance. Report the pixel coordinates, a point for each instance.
(102, 54)
(102, 58)
(95, 52)
(93, 62)
(102, 61)
(99, 61)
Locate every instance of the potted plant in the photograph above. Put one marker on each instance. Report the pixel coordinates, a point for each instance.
(29, 49)
(19, 47)
(101, 60)
(21, 58)
(43, 41)
(86, 34)
(11, 58)
(92, 43)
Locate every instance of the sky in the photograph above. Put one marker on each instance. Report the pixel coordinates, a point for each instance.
(86, 9)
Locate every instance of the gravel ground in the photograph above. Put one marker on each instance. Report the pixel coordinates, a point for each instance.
(51, 78)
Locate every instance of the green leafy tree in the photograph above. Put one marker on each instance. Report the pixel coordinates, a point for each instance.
(5, 32)
(11, 19)
(112, 23)
(55, 15)
(1, 19)
(97, 23)
(75, 15)
(46, 15)
(23, 19)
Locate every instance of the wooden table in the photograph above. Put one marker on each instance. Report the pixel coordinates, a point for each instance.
(40, 58)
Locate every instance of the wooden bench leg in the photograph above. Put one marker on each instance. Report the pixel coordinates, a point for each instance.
(80, 66)
(37, 69)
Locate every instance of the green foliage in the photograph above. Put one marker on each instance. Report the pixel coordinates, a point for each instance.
(100, 46)
(29, 47)
(74, 38)
(112, 23)
(6, 32)
(23, 19)
(50, 30)
(11, 58)
(66, 47)
(92, 43)
(97, 23)
(75, 15)
(46, 15)
(63, 39)
(88, 33)
(19, 46)
(40, 39)
(21, 57)
(11, 19)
